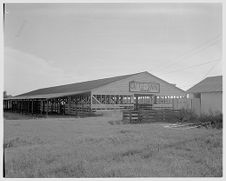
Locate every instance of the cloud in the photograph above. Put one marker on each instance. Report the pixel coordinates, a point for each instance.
(24, 72)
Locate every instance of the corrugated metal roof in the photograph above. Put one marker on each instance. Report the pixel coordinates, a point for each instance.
(209, 84)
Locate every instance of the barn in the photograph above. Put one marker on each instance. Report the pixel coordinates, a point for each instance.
(206, 96)
(127, 92)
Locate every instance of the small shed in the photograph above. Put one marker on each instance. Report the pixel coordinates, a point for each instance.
(206, 96)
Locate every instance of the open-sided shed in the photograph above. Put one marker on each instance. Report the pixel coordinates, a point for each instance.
(121, 92)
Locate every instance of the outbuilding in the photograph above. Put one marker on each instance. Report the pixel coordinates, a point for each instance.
(115, 93)
(206, 96)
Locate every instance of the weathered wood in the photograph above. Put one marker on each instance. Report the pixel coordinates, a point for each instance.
(21, 107)
(149, 116)
(41, 107)
(47, 107)
(69, 105)
(32, 107)
(28, 106)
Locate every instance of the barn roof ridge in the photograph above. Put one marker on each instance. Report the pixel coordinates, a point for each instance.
(96, 83)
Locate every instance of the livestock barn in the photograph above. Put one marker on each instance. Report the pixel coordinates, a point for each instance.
(127, 92)
(206, 96)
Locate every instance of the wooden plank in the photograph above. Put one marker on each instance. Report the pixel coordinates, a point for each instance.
(47, 107)
(32, 107)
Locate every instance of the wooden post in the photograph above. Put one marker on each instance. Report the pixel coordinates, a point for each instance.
(41, 106)
(18, 106)
(173, 103)
(105, 99)
(64, 102)
(32, 107)
(56, 105)
(91, 101)
(69, 104)
(4, 104)
(51, 105)
(21, 107)
(28, 106)
(47, 107)
(130, 116)
(12, 106)
(136, 107)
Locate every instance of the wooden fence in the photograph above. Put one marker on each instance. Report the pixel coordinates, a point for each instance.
(141, 116)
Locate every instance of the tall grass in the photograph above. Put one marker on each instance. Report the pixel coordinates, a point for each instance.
(91, 147)
(215, 120)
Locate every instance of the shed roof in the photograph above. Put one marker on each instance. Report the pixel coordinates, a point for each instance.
(69, 89)
(46, 96)
(209, 84)
(75, 88)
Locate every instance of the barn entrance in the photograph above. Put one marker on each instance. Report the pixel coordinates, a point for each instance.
(144, 101)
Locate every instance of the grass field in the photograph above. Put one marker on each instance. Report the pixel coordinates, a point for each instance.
(91, 147)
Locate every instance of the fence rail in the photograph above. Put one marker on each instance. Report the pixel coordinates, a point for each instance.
(150, 116)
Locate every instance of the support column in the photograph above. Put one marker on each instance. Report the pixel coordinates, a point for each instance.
(47, 107)
(21, 107)
(28, 106)
(56, 105)
(64, 102)
(51, 105)
(41, 106)
(5, 105)
(136, 107)
(91, 101)
(32, 107)
(18, 106)
(69, 105)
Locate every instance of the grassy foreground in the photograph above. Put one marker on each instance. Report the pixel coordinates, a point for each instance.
(91, 147)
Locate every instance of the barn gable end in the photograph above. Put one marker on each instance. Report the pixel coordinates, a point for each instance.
(122, 86)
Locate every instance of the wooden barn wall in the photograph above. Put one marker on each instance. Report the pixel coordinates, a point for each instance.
(122, 86)
(211, 102)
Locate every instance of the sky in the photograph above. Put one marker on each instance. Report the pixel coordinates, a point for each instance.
(55, 44)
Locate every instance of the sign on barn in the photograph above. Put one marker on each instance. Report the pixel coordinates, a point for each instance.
(151, 87)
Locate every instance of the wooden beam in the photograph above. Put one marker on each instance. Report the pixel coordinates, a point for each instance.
(91, 99)
(47, 107)
(21, 107)
(28, 106)
(51, 105)
(69, 104)
(41, 106)
(32, 107)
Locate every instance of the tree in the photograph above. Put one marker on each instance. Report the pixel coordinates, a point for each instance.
(4, 94)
